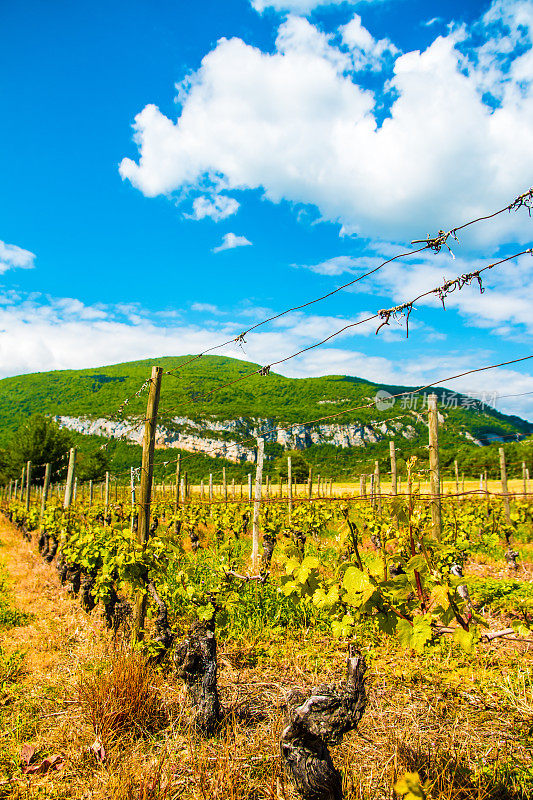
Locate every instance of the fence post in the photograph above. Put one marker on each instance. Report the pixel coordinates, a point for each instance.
(22, 477)
(505, 490)
(456, 465)
(106, 496)
(28, 485)
(289, 485)
(250, 487)
(177, 487)
(362, 485)
(224, 485)
(210, 488)
(70, 478)
(132, 498)
(147, 469)
(257, 502)
(524, 479)
(46, 487)
(310, 482)
(434, 469)
(377, 485)
(394, 477)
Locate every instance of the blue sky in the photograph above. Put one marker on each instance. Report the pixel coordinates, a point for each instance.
(171, 172)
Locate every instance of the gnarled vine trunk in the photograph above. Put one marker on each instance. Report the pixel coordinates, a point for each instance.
(320, 720)
(196, 664)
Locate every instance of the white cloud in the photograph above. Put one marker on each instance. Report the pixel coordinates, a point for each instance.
(13, 257)
(206, 308)
(217, 207)
(365, 50)
(298, 124)
(39, 334)
(229, 241)
(297, 6)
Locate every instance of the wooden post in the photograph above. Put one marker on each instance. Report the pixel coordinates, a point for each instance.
(462, 483)
(373, 489)
(377, 485)
(210, 487)
(250, 487)
(16, 489)
(28, 485)
(106, 495)
(393, 476)
(22, 483)
(257, 503)
(362, 485)
(132, 498)
(202, 493)
(289, 484)
(434, 469)
(524, 479)
(147, 470)
(224, 485)
(505, 490)
(480, 481)
(46, 487)
(310, 481)
(70, 478)
(177, 485)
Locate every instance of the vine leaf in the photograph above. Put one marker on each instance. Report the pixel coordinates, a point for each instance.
(465, 639)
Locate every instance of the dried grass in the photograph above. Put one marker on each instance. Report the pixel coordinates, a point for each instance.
(122, 696)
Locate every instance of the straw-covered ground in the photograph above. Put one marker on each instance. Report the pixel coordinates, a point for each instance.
(83, 718)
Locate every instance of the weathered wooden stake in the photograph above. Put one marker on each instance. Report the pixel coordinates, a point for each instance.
(310, 482)
(132, 498)
(524, 479)
(145, 494)
(289, 485)
(393, 476)
(505, 490)
(377, 486)
(177, 485)
(28, 485)
(224, 485)
(257, 503)
(456, 465)
(106, 495)
(70, 478)
(249, 487)
(434, 469)
(46, 487)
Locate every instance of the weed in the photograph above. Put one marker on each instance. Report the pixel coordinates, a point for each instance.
(121, 696)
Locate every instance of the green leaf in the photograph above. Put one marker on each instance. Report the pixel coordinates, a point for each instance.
(464, 638)
(411, 787)
(342, 628)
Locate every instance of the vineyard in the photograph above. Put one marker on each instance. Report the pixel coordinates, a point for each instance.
(231, 621)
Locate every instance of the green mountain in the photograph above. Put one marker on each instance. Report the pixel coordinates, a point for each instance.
(210, 400)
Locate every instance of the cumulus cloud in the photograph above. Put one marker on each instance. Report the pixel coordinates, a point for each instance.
(216, 208)
(207, 308)
(297, 6)
(229, 241)
(299, 124)
(39, 334)
(13, 257)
